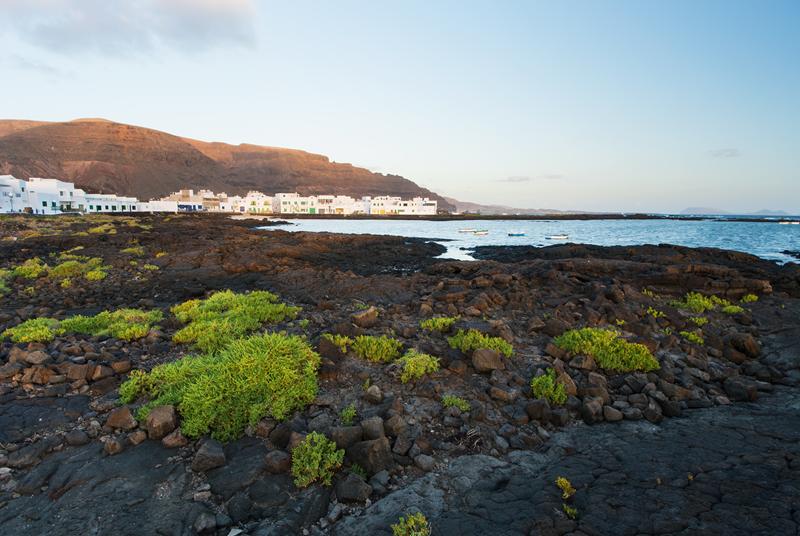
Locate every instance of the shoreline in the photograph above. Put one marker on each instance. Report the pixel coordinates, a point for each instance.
(528, 217)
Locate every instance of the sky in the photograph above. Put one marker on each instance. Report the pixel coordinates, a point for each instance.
(614, 105)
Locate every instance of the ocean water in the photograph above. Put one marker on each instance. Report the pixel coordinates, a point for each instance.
(764, 239)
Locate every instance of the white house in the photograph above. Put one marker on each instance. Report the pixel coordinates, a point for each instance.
(158, 205)
(13, 194)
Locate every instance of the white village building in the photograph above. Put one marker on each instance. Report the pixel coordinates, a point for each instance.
(53, 196)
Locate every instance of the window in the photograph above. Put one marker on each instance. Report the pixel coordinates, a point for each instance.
(44, 204)
(91, 207)
(61, 193)
(53, 204)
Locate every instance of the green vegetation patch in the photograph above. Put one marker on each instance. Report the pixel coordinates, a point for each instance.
(225, 316)
(221, 393)
(732, 309)
(315, 458)
(31, 269)
(348, 414)
(5, 275)
(452, 401)
(699, 303)
(133, 250)
(71, 267)
(95, 275)
(412, 525)
(105, 228)
(441, 324)
(467, 341)
(33, 330)
(693, 336)
(699, 320)
(77, 268)
(125, 324)
(749, 298)
(340, 341)
(609, 350)
(548, 387)
(655, 313)
(416, 365)
(380, 349)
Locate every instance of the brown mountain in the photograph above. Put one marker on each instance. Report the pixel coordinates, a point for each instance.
(100, 155)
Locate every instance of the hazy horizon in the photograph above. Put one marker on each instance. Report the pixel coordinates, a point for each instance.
(623, 106)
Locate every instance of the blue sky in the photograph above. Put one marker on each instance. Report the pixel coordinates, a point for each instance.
(630, 106)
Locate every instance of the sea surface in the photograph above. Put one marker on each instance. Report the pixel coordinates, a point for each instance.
(764, 239)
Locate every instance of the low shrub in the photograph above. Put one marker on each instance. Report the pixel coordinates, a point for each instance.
(452, 401)
(694, 337)
(609, 350)
(133, 250)
(698, 303)
(221, 393)
(315, 458)
(441, 324)
(95, 275)
(340, 341)
(699, 320)
(655, 313)
(150, 267)
(31, 269)
(749, 298)
(567, 490)
(5, 275)
(348, 414)
(412, 525)
(125, 324)
(360, 471)
(224, 316)
(105, 228)
(380, 349)
(78, 267)
(467, 341)
(732, 309)
(548, 387)
(33, 330)
(570, 511)
(416, 365)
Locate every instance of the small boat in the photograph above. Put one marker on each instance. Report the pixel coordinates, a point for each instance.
(789, 222)
(557, 237)
(467, 230)
(516, 234)
(482, 232)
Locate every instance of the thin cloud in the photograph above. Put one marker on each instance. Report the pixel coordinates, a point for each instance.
(526, 178)
(21, 62)
(132, 27)
(728, 152)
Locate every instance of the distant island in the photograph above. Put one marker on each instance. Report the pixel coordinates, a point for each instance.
(708, 211)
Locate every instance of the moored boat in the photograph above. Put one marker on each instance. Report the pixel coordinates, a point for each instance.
(557, 237)
(481, 232)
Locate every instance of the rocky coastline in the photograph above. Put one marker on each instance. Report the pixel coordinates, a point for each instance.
(704, 442)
